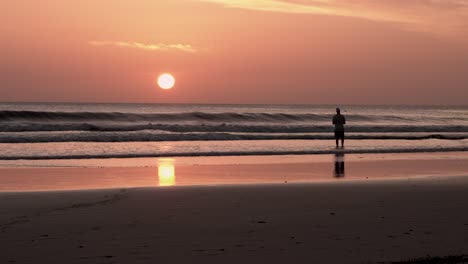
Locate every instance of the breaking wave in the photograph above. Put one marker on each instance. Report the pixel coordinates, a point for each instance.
(254, 128)
(53, 126)
(149, 136)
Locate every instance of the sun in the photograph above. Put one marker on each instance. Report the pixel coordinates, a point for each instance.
(166, 81)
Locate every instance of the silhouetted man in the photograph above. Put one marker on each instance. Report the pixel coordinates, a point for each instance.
(339, 121)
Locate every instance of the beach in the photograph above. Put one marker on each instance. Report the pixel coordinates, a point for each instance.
(248, 131)
(147, 183)
(393, 211)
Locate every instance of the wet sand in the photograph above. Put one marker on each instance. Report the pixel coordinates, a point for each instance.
(131, 173)
(376, 220)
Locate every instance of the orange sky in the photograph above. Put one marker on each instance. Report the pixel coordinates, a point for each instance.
(236, 51)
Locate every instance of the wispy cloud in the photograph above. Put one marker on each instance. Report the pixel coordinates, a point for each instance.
(143, 46)
(321, 7)
(436, 16)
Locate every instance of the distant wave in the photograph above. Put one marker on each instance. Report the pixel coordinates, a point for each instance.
(38, 116)
(232, 153)
(154, 137)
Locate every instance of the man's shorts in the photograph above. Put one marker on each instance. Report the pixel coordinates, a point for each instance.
(339, 134)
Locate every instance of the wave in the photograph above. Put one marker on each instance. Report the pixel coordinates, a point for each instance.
(48, 126)
(41, 116)
(239, 128)
(232, 153)
(156, 137)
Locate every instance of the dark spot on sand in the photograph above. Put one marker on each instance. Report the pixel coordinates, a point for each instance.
(81, 246)
(239, 245)
(44, 235)
(298, 243)
(436, 260)
(261, 222)
(221, 249)
(332, 213)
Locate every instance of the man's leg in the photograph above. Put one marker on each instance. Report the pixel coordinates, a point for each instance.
(336, 142)
(342, 141)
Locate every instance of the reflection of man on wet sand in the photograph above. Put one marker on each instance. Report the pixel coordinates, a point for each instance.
(339, 165)
(339, 121)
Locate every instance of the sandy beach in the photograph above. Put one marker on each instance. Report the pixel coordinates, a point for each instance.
(361, 220)
(234, 131)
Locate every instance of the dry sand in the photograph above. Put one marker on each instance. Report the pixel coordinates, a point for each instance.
(340, 222)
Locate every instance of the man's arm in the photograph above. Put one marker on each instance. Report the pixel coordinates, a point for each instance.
(344, 120)
(334, 120)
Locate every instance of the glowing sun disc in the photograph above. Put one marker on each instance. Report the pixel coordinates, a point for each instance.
(166, 81)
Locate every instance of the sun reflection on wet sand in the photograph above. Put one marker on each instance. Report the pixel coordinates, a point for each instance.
(166, 172)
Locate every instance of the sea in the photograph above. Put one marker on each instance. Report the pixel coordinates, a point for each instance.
(48, 131)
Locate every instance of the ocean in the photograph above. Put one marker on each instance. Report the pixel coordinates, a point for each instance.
(45, 131)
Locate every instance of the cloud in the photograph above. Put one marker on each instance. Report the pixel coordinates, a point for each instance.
(143, 46)
(442, 17)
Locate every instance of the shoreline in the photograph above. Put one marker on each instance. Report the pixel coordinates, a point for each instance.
(41, 152)
(235, 154)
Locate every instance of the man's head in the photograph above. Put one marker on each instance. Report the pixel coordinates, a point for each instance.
(338, 110)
